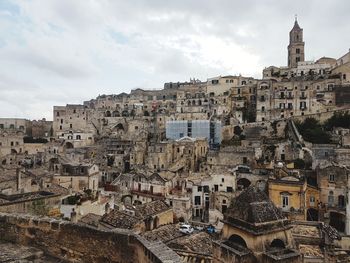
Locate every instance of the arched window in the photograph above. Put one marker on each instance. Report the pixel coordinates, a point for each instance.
(277, 243)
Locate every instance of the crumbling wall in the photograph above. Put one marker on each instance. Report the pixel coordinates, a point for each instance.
(78, 243)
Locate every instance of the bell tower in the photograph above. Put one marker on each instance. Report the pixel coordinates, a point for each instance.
(296, 45)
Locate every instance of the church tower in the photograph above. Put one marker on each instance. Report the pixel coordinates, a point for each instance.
(296, 45)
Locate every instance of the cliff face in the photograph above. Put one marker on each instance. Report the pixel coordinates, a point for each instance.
(76, 243)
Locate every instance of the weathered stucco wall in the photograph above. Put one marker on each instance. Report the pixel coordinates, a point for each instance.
(77, 243)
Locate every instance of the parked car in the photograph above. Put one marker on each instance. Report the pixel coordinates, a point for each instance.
(211, 229)
(186, 229)
(199, 228)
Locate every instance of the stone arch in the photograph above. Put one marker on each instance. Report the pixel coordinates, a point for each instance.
(13, 151)
(127, 199)
(116, 113)
(243, 183)
(237, 240)
(312, 214)
(119, 127)
(53, 164)
(277, 243)
(108, 114)
(69, 145)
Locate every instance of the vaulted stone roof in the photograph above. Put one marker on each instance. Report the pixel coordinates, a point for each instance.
(253, 206)
(254, 211)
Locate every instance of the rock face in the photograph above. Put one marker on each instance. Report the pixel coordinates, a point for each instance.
(12, 253)
(76, 243)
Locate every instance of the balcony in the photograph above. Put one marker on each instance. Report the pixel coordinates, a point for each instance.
(290, 97)
(303, 108)
(303, 97)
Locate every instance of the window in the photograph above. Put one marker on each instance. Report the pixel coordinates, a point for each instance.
(285, 201)
(239, 91)
(298, 50)
(341, 201)
(263, 108)
(312, 200)
(331, 178)
(1, 126)
(199, 188)
(71, 125)
(216, 188)
(229, 189)
(222, 180)
(57, 113)
(245, 160)
(344, 76)
(197, 200)
(297, 59)
(330, 198)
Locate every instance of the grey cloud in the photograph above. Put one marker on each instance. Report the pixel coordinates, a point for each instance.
(164, 41)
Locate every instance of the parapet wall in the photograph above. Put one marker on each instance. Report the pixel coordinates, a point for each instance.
(77, 243)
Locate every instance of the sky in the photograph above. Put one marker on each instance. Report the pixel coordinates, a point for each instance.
(58, 52)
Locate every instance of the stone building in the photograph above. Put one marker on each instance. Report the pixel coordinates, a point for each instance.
(255, 231)
(296, 45)
(78, 177)
(185, 153)
(333, 183)
(297, 199)
(140, 218)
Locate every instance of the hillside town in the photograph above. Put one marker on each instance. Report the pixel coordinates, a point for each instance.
(228, 169)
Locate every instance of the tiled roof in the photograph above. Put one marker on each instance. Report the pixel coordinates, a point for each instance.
(199, 243)
(120, 219)
(150, 209)
(164, 233)
(254, 206)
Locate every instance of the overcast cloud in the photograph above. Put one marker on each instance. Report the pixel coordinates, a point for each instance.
(55, 52)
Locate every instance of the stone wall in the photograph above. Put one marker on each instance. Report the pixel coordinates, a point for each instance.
(77, 243)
